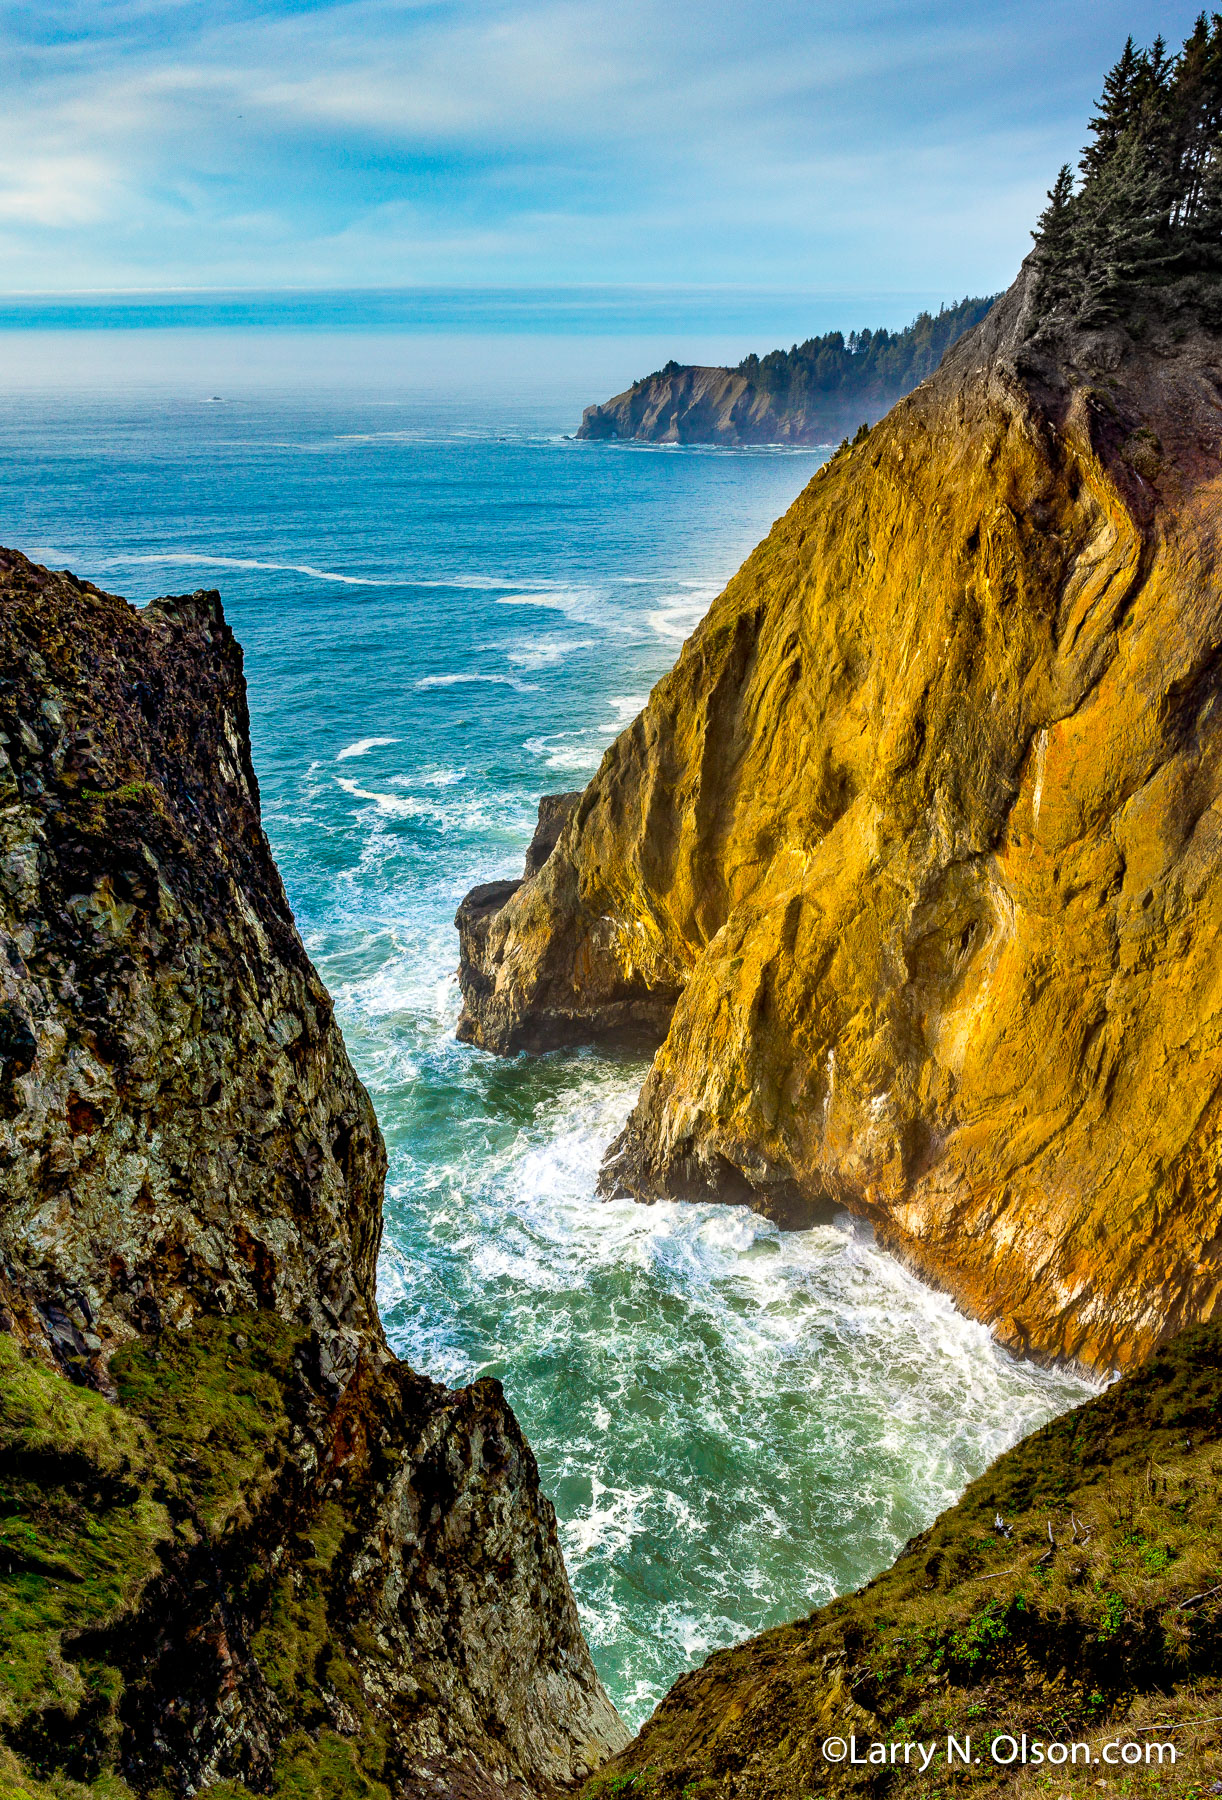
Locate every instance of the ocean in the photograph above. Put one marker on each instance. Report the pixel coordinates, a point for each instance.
(448, 608)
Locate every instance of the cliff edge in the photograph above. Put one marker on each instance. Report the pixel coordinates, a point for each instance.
(694, 403)
(914, 860)
(241, 1546)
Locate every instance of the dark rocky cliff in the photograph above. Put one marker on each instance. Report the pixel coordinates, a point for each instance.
(240, 1544)
(914, 857)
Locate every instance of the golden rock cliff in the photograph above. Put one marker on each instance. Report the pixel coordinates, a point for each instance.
(915, 858)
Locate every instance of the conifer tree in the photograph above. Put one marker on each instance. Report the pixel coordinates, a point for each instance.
(1054, 228)
(1118, 243)
(1145, 227)
(1118, 109)
(870, 364)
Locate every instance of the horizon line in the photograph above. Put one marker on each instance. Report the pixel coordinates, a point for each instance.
(437, 287)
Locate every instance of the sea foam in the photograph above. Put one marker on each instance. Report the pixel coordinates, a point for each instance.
(473, 680)
(363, 746)
(193, 558)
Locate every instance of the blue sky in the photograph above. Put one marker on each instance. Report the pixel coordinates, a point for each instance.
(873, 146)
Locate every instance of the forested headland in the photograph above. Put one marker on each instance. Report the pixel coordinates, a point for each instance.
(811, 393)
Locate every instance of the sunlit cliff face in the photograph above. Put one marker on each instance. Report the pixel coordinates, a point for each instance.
(922, 832)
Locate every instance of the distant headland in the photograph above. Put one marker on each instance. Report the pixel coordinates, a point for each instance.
(814, 393)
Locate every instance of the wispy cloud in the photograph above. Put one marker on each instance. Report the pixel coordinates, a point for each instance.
(247, 142)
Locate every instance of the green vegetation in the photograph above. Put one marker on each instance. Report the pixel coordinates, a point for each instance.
(80, 1528)
(326, 1767)
(1143, 228)
(866, 364)
(215, 1398)
(16, 1783)
(100, 1504)
(130, 791)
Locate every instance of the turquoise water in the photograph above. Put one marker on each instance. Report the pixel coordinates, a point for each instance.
(447, 610)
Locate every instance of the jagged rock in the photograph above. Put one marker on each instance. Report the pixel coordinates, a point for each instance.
(243, 1542)
(555, 811)
(917, 850)
(626, 1012)
(182, 1129)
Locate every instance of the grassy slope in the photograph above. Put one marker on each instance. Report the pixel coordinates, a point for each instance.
(980, 1631)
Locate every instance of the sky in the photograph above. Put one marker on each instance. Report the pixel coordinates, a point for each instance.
(880, 146)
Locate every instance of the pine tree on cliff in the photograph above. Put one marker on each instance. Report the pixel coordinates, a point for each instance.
(869, 364)
(1193, 136)
(1144, 230)
(1119, 108)
(1119, 230)
(1054, 232)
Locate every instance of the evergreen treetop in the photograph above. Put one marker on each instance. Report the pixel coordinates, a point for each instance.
(1142, 230)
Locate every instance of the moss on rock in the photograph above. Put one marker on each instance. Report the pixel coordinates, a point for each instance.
(226, 1582)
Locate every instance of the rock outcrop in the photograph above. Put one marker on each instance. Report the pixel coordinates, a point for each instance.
(917, 851)
(625, 1012)
(240, 1544)
(1070, 1598)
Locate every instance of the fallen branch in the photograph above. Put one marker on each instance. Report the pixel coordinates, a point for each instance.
(1193, 1598)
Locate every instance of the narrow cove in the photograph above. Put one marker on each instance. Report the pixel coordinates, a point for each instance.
(443, 618)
